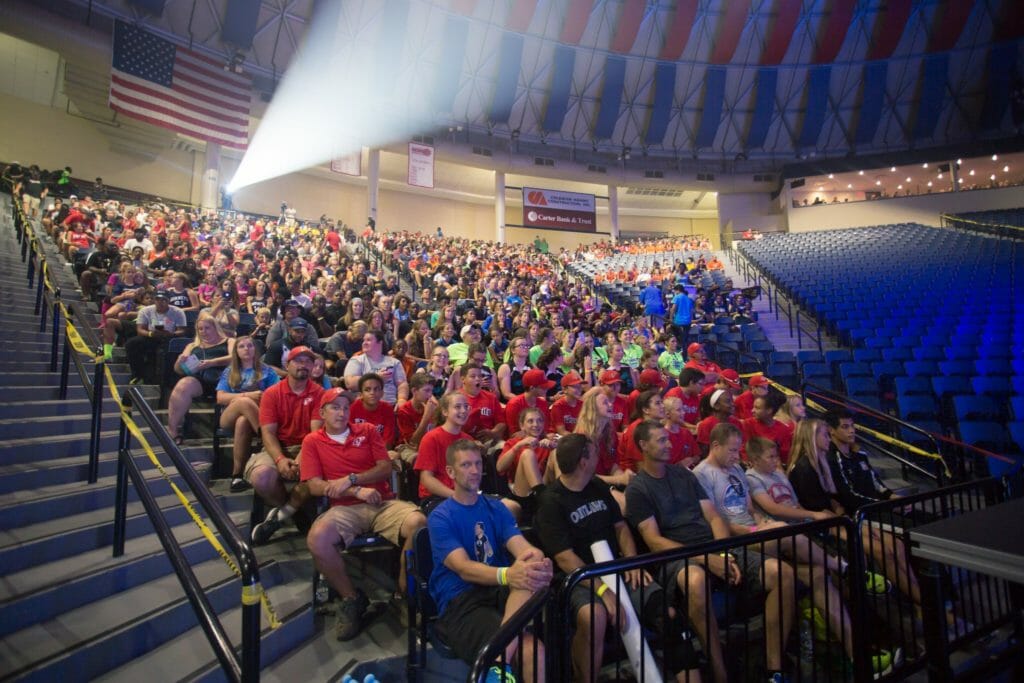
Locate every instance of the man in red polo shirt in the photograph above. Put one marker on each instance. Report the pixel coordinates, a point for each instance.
(698, 360)
(757, 386)
(764, 424)
(486, 421)
(348, 463)
(288, 412)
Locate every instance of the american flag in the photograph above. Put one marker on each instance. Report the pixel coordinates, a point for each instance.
(154, 81)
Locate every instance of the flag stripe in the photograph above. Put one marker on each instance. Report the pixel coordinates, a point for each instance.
(153, 80)
(186, 119)
(170, 124)
(126, 83)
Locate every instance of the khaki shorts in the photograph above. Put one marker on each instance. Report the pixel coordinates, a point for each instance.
(263, 459)
(385, 519)
(406, 453)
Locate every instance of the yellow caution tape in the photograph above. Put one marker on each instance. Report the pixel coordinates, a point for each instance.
(250, 594)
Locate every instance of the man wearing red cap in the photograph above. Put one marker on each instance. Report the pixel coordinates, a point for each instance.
(288, 412)
(728, 380)
(611, 382)
(764, 424)
(699, 361)
(566, 409)
(536, 385)
(744, 403)
(349, 464)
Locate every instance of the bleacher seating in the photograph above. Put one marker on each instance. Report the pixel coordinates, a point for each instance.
(929, 315)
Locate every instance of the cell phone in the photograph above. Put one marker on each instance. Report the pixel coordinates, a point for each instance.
(158, 326)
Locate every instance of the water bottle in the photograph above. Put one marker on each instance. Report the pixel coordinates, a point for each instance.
(370, 678)
(323, 591)
(348, 679)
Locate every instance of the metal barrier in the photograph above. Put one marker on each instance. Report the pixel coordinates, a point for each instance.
(975, 605)
(238, 667)
(523, 628)
(94, 386)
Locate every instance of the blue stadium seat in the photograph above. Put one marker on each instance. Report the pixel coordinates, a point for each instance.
(897, 354)
(782, 357)
(999, 388)
(809, 356)
(991, 436)
(877, 342)
(907, 341)
(861, 386)
(854, 369)
(837, 356)
(961, 352)
(1017, 407)
(993, 367)
(783, 373)
(916, 438)
(916, 408)
(817, 373)
(932, 353)
(951, 386)
(957, 367)
(913, 386)
(968, 408)
(867, 355)
(1016, 430)
(921, 368)
(887, 370)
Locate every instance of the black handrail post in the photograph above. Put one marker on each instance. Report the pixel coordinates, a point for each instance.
(121, 493)
(250, 639)
(24, 247)
(39, 292)
(55, 333)
(31, 274)
(96, 423)
(799, 335)
(65, 366)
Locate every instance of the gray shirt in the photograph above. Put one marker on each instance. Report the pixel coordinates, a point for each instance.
(776, 485)
(358, 366)
(727, 489)
(172, 320)
(674, 503)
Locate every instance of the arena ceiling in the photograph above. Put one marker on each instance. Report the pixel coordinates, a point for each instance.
(752, 83)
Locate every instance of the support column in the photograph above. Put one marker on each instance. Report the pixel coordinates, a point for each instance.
(954, 175)
(373, 184)
(209, 187)
(499, 206)
(613, 211)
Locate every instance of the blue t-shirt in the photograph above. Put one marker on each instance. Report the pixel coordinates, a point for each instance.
(481, 529)
(650, 297)
(249, 381)
(684, 309)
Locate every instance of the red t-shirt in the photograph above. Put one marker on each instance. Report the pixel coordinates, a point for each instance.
(628, 452)
(408, 419)
(333, 239)
(291, 412)
(485, 412)
(705, 366)
(705, 426)
(743, 405)
(618, 412)
(383, 418)
(684, 446)
(542, 457)
(775, 431)
(431, 456)
(327, 459)
(691, 405)
(517, 405)
(564, 414)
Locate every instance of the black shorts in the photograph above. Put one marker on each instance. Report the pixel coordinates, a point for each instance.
(751, 568)
(470, 620)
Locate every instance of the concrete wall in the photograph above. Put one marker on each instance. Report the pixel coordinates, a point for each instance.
(924, 209)
(748, 210)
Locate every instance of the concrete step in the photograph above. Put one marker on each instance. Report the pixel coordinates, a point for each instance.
(46, 426)
(32, 409)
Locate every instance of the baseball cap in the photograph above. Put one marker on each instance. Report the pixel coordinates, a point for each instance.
(536, 378)
(299, 351)
(758, 381)
(335, 393)
(731, 377)
(652, 378)
(291, 302)
(465, 329)
(298, 323)
(160, 294)
(694, 348)
(571, 378)
(609, 377)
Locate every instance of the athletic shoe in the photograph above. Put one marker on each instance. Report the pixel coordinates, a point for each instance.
(238, 484)
(262, 532)
(883, 662)
(136, 381)
(500, 674)
(350, 619)
(876, 584)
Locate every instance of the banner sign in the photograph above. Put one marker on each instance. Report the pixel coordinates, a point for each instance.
(351, 164)
(421, 165)
(558, 210)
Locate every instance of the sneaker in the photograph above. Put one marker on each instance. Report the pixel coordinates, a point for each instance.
(876, 584)
(238, 484)
(883, 662)
(500, 674)
(262, 532)
(777, 677)
(136, 381)
(401, 607)
(350, 619)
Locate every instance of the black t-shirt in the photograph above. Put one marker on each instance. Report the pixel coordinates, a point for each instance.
(674, 503)
(573, 520)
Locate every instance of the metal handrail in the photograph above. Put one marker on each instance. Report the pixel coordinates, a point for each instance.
(242, 668)
(846, 400)
(93, 386)
(509, 631)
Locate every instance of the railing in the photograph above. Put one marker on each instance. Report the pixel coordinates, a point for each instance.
(953, 607)
(938, 476)
(1013, 232)
(94, 385)
(244, 667)
(521, 628)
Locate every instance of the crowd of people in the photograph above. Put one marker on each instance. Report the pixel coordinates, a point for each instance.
(583, 420)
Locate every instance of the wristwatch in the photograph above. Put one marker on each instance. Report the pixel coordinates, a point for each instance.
(352, 478)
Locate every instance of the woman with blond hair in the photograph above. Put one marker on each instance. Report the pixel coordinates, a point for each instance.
(200, 365)
(595, 423)
(239, 390)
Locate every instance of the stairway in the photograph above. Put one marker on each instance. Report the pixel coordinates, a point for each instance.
(68, 609)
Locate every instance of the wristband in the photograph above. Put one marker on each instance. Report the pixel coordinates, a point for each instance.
(502, 576)
(753, 528)
(602, 589)
(278, 459)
